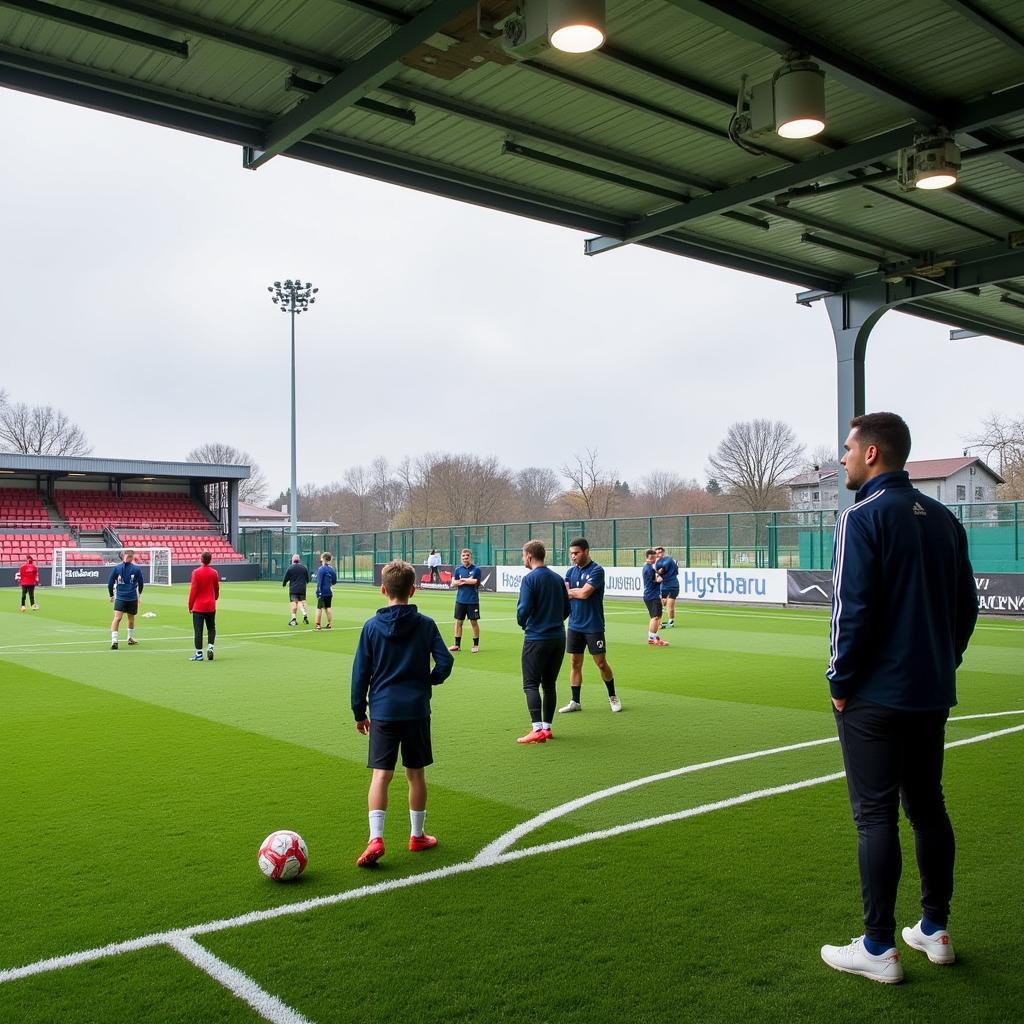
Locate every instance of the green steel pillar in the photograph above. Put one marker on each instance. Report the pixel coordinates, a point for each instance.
(615, 542)
(687, 533)
(728, 540)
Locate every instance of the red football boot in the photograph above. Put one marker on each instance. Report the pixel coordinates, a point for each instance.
(534, 736)
(423, 842)
(373, 853)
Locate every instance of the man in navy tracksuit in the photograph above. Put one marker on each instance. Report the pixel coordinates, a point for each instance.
(667, 569)
(541, 613)
(391, 672)
(903, 610)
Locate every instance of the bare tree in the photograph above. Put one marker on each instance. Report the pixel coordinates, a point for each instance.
(1002, 440)
(536, 489)
(822, 456)
(219, 454)
(594, 494)
(754, 458)
(39, 430)
(386, 490)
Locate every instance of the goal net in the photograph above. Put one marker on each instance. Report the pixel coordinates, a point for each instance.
(94, 565)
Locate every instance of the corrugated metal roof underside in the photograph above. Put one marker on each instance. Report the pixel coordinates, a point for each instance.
(609, 137)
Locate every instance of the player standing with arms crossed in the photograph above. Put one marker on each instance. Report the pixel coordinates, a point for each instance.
(466, 581)
(585, 584)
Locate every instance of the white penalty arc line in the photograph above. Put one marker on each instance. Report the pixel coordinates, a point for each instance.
(174, 937)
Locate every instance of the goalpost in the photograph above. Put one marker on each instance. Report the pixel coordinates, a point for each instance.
(94, 565)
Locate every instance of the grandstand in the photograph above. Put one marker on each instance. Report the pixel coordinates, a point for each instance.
(62, 502)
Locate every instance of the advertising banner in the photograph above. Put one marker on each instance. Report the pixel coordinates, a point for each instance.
(765, 586)
(487, 577)
(1001, 593)
(806, 586)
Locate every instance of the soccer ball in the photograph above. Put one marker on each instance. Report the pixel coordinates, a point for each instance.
(283, 855)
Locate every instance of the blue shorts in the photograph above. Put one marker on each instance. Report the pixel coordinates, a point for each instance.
(670, 591)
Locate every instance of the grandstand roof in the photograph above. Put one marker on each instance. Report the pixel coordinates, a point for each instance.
(630, 143)
(86, 466)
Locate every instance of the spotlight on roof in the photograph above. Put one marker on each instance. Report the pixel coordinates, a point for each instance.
(576, 26)
(799, 91)
(932, 162)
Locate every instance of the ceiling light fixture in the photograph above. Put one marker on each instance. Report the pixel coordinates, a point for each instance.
(576, 26)
(932, 162)
(799, 90)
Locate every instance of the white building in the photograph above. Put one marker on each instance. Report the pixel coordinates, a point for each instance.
(965, 480)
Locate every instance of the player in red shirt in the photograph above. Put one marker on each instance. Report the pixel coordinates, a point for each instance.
(29, 576)
(202, 603)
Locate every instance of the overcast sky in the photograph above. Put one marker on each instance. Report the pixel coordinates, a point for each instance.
(135, 266)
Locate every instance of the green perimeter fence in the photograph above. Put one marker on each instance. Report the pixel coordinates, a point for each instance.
(776, 540)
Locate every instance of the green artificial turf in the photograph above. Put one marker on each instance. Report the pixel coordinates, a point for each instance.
(136, 787)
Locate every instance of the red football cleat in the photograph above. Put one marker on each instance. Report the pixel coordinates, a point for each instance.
(455, 648)
(547, 734)
(423, 842)
(534, 736)
(660, 643)
(373, 853)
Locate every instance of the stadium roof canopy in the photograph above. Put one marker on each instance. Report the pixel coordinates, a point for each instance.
(123, 469)
(635, 142)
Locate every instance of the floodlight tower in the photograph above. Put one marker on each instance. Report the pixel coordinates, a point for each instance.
(293, 297)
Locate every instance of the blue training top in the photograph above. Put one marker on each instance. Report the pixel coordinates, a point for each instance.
(326, 577)
(127, 577)
(668, 568)
(470, 594)
(543, 605)
(586, 615)
(652, 588)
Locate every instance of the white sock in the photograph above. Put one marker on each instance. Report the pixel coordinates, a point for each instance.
(545, 725)
(113, 636)
(537, 726)
(652, 636)
(199, 652)
(416, 821)
(377, 824)
(131, 632)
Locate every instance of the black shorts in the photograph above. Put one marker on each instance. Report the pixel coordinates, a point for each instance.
(467, 611)
(542, 661)
(128, 607)
(324, 602)
(672, 590)
(413, 737)
(653, 606)
(577, 643)
(297, 595)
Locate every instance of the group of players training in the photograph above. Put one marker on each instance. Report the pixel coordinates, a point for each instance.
(401, 656)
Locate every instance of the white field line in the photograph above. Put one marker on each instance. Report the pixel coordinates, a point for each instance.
(288, 909)
(238, 984)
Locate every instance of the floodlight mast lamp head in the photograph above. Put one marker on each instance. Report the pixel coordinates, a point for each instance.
(292, 296)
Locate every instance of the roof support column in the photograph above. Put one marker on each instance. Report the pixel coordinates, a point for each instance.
(232, 530)
(853, 315)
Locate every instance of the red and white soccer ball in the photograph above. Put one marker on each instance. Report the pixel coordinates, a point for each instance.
(283, 855)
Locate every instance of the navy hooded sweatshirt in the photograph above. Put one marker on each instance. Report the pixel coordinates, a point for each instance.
(392, 665)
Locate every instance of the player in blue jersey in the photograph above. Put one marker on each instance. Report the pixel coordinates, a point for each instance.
(128, 581)
(585, 583)
(326, 577)
(652, 598)
(667, 569)
(466, 583)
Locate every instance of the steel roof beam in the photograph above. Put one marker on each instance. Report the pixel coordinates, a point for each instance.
(859, 154)
(1010, 39)
(360, 77)
(185, 21)
(99, 26)
(374, 106)
(974, 326)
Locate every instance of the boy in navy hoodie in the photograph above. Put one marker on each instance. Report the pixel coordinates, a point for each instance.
(392, 670)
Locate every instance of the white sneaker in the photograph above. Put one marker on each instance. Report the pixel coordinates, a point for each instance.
(855, 959)
(573, 705)
(615, 704)
(937, 946)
